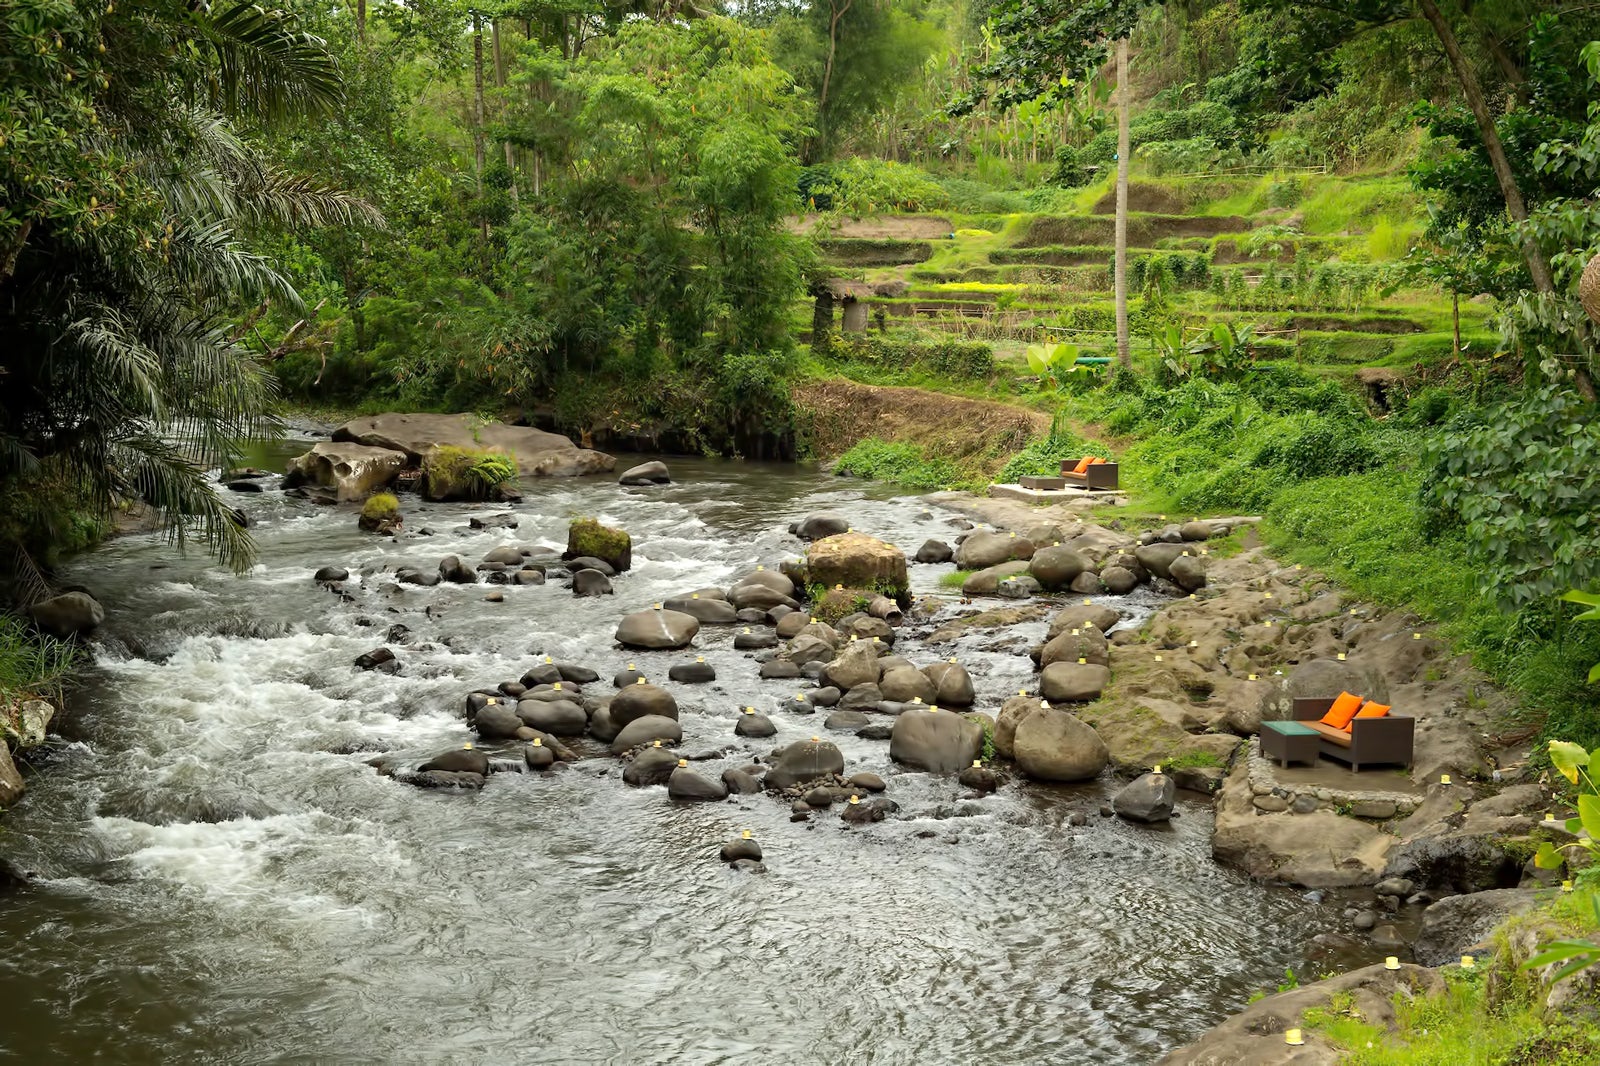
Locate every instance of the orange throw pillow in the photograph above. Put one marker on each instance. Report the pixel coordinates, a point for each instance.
(1373, 710)
(1344, 708)
(1083, 464)
(1096, 461)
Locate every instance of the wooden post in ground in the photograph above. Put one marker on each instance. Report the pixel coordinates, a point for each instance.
(1124, 354)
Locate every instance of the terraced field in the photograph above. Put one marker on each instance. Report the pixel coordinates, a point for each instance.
(1312, 263)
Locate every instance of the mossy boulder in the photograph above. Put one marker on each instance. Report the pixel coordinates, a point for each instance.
(857, 561)
(587, 537)
(380, 514)
(454, 473)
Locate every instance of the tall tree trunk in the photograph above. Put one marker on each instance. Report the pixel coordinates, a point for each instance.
(1124, 348)
(477, 100)
(500, 83)
(836, 13)
(1515, 205)
(1455, 318)
(361, 21)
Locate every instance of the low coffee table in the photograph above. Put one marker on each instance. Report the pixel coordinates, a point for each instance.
(1289, 742)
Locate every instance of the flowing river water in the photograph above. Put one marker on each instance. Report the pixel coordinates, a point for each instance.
(220, 876)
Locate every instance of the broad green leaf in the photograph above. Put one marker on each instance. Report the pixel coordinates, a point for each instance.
(1547, 857)
(1566, 757)
(1589, 814)
(1037, 361)
(1594, 673)
(1588, 599)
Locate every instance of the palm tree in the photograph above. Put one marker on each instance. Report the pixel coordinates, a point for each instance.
(124, 189)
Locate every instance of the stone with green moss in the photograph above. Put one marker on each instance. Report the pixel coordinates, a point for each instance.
(380, 514)
(587, 537)
(453, 473)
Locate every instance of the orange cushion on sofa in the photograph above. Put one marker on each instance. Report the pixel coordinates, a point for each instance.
(1083, 464)
(1344, 708)
(1096, 461)
(1372, 710)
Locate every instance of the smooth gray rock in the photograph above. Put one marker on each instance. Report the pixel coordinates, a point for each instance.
(646, 730)
(1053, 745)
(940, 742)
(68, 614)
(640, 700)
(651, 473)
(652, 766)
(1148, 798)
(657, 629)
(802, 761)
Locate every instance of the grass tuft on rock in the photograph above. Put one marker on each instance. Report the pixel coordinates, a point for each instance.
(381, 505)
(453, 473)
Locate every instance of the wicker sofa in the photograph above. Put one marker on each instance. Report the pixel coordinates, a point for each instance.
(1095, 476)
(1368, 741)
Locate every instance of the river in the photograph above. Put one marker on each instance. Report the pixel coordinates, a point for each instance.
(220, 876)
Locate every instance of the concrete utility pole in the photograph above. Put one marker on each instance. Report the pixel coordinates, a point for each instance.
(1124, 353)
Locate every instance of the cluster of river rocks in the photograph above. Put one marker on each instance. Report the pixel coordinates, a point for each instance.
(846, 670)
(1167, 706)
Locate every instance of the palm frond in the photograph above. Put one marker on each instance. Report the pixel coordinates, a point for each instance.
(268, 69)
(295, 200)
(119, 358)
(209, 263)
(158, 472)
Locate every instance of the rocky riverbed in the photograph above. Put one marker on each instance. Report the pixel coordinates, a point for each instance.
(244, 759)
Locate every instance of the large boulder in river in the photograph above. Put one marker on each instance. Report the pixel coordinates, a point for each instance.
(982, 550)
(934, 551)
(1148, 798)
(987, 582)
(67, 614)
(802, 761)
(1084, 614)
(641, 700)
(763, 597)
(1012, 713)
(588, 539)
(657, 629)
(652, 473)
(939, 741)
(904, 684)
(353, 471)
(858, 561)
(1158, 558)
(537, 453)
(856, 665)
(1456, 923)
(820, 525)
(1056, 567)
(644, 730)
(709, 611)
(952, 685)
(687, 786)
(1052, 745)
(1074, 682)
(1188, 572)
(1088, 644)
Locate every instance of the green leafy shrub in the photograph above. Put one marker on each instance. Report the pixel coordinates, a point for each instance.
(1043, 458)
(903, 463)
(1520, 480)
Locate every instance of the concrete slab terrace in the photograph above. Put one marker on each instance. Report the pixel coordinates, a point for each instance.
(1074, 496)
